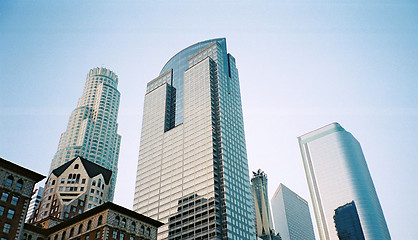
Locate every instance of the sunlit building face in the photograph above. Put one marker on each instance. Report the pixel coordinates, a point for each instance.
(337, 174)
(192, 168)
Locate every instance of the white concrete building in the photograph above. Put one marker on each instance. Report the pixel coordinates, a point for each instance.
(72, 189)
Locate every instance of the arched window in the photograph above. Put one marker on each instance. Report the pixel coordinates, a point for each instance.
(63, 235)
(53, 182)
(148, 232)
(56, 237)
(88, 225)
(30, 237)
(25, 236)
(142, 229)
(19, 184)
(123, 224)
(99, 183)
(99, 222)
(117, 220)
(94, 183)
(80, 228)
(9, 181)
(71, 232)
(70, 176)
(77, 179)
(76, 166)
(133, 226)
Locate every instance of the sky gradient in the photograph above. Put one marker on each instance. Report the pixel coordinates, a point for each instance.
(302, 65)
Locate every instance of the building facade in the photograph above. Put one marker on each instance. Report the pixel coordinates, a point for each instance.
(264, 223)
(34, 202)
(291, 215)
(337, 174)
(16, 186)
(92, 128)
(193, 152)
(347, 222)
(105, 222)
(73, 188)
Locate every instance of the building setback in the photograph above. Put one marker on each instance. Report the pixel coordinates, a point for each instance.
(92, 128)
(16, 186)
(73, 188)
(291, 215)
(337, 174)
(193, 154)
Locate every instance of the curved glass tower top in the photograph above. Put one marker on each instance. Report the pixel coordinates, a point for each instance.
(180, 63)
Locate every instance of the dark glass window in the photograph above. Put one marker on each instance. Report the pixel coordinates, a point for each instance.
(6, 228)
(4, 197)
(19, 184)
(10, 214)
(9, 181)
(1, 210)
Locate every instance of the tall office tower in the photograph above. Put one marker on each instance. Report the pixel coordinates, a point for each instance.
(92, 129)
(264, 224)
(192, 168)
(291, 215)
(337, 174)
(34, 202)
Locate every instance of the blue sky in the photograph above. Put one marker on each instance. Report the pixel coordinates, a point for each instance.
(302, 65)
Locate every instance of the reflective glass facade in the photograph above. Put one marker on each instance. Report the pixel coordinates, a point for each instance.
(337, 174)
(348, 223)
(291, 215)
(193, 173)
(92, 129)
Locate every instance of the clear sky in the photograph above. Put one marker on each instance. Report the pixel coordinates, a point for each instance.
(302, 65)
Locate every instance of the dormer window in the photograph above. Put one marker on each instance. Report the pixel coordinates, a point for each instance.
(9, 181)
(19, 184)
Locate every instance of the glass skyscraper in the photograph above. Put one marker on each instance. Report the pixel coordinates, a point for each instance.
(337, 174)
(192, 168)
(92, 129)
(291, 215)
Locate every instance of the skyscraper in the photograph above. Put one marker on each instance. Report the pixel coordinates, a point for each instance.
(192, 168)
(337, 174)
(34, 202)
(92, 129)
(291, 215)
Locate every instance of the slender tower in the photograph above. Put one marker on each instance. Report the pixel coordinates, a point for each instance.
(341, 186)
(192, 168)
(264, 224)
(92, 129)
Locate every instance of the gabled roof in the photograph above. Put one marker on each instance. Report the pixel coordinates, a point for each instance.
(92, 169)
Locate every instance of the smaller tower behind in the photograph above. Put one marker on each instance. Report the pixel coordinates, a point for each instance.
(291, 215)
(264, 223)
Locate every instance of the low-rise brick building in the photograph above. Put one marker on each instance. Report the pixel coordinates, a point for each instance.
(107, 222)
(16, 187)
